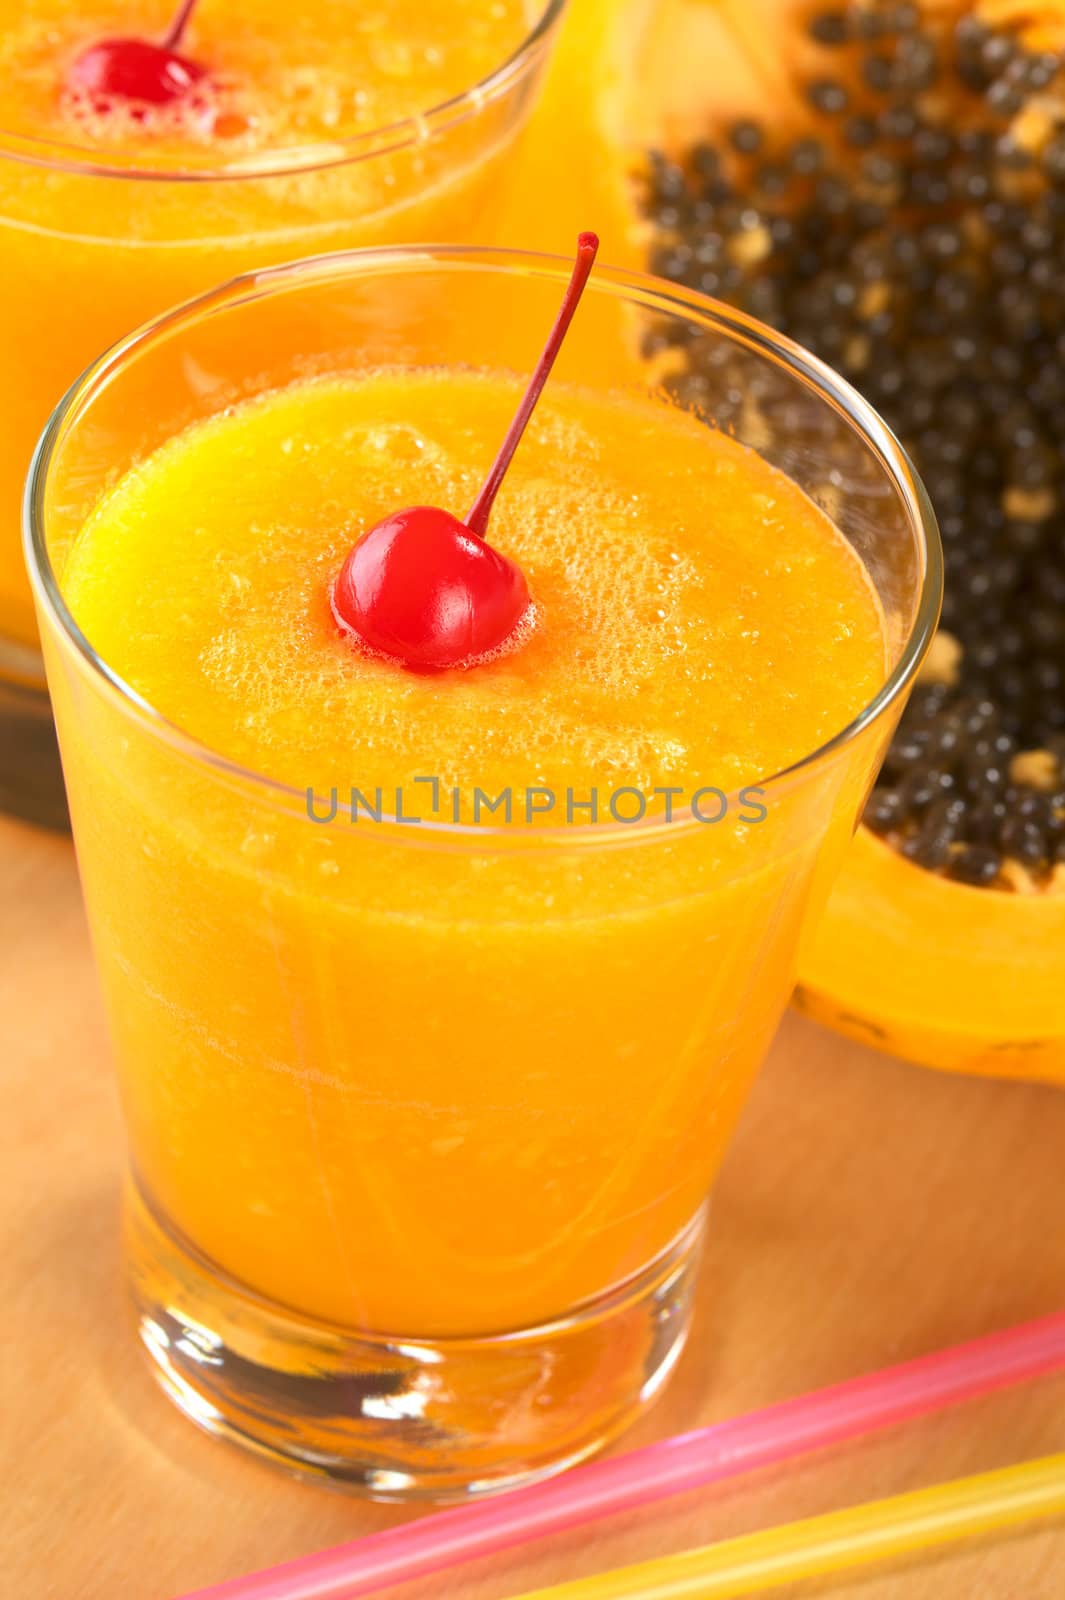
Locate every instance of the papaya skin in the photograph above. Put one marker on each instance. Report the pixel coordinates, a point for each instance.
(968, 980)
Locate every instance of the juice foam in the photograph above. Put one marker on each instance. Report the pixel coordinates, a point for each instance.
(698, 619)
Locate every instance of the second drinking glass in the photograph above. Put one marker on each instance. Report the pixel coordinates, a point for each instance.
(315, 127)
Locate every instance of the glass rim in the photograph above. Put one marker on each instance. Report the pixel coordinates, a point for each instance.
(634, 287)
(419, 128)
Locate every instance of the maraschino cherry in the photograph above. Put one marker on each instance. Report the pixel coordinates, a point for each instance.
(137, 69)
(427, 590)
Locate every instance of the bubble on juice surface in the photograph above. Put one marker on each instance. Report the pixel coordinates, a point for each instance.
(400, 442)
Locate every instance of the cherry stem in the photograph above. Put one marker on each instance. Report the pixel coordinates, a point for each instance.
(477, 521)
(174, 34)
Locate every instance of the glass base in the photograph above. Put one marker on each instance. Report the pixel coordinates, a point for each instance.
(404, 1419)
(31, 778)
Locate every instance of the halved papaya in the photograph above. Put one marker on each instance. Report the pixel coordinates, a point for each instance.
(964, 978)
(907, 958)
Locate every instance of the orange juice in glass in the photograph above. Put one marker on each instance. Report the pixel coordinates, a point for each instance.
(302, 128)
(425, 1090)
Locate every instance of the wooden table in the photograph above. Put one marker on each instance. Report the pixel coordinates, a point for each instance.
(868, 1212)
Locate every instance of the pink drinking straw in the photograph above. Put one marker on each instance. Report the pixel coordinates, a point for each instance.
(686, 1461)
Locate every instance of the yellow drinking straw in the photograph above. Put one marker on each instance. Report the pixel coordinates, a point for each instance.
(878, 1531)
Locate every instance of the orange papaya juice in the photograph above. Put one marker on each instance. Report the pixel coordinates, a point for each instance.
(372, 1085)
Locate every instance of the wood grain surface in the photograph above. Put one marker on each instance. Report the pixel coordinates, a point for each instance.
(869, 1211)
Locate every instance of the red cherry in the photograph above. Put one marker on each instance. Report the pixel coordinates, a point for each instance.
(428, 590)
(422, 588)
(136, 69)
(133, 69)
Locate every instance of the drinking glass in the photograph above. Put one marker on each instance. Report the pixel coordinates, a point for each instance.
(422, 1117)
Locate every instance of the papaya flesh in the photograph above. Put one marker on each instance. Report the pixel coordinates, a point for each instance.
(970, 980)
